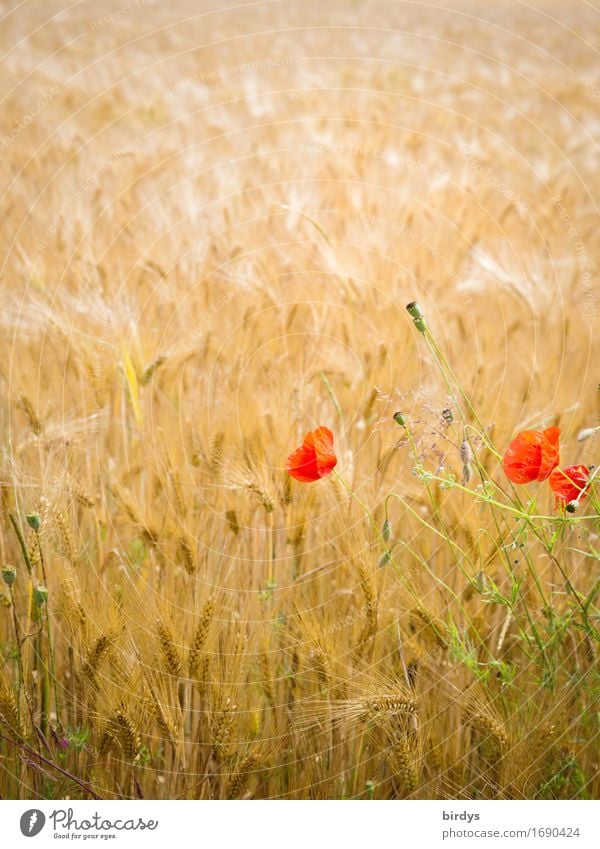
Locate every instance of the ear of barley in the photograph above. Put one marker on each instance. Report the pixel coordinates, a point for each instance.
(132, 511)
(370, 602)
(202, 677)
(404, 763)
(321, 662)
(161, 715)
(267, 684)
(96, 654)
(170, 652)
(72, 607)
(200, 636)
(186, 554)
(107, 741)
(64, 536)
(150, 369)
(387, 705)
(263, 496)
(126, 733)
(490, 728)
(9, 712)
(221, 728)
(83, 498)
(30, 414)
(177, 490)
(293, 677)
(243, 769)
(232, 521)
(241, 643)
(216, 453)
(433, 627)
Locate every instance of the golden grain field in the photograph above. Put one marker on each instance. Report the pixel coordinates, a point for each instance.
(212, 221)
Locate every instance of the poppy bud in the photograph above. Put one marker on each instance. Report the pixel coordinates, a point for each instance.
(572, 506)
(481, 581)
(40, 595)
(399, 419)
(34, 521)
(9, 575)
(386, 533)
(414, 310)
(466, 455)
(385, 558)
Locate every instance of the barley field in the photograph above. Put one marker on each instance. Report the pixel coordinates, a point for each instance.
(213, 220)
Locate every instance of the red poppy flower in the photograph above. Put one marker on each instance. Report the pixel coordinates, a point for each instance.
(569, 484)
(532, 455)
(315, 458)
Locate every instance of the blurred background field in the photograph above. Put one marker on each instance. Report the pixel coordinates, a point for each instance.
(213, 219)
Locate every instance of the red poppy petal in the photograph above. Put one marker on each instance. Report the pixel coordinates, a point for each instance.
(550, 452)
(326, 459)
(569, 484)
(552, 434)
(523, 457)
(315, 458)
(302, 464)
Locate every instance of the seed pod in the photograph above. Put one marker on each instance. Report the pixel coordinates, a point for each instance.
(399, 419)
(572, 506)
(481, 581)
(386, 532)
(385, 558)
(34, 521)
(466, 455)
(414, 310)
(40, 596)
(9, 575)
